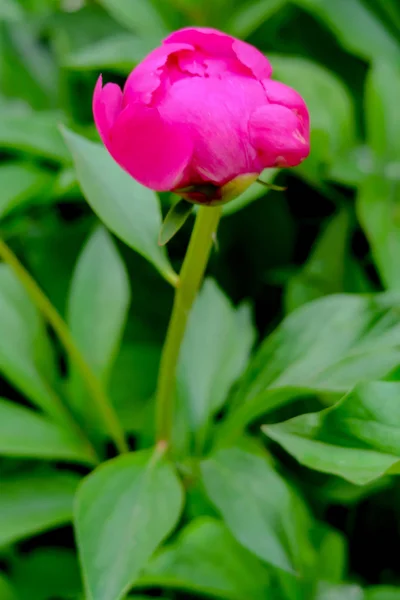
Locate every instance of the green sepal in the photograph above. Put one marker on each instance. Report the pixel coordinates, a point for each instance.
(175, 219)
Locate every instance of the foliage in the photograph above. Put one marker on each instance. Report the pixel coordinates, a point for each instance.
(283, 482)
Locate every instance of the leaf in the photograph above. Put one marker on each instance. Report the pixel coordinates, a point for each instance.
(254, 192)
(206, 559)
(7, 592)
(324, 271)
(119, 52)
(19, 183)
(174, 221)
(258, 508)
(47, 573)
(214, 352)
(339, 592)
(142, 17)
(25, 433)
(383, 129)
(249, 17)
(355, 27)
(123, 511)
(34, 502)
(128, 209)
(378, 208)
(97, 309)
(10, 10)
(382, 592)
(133, 383)
(357, 439)
(26, 357)
(324, 347)
(32, 133)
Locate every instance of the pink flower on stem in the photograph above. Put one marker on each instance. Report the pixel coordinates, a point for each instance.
(199, 113)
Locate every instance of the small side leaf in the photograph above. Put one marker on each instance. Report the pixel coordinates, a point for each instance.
(207, 559)
(258, 507)
(175, 219)
(25, 433)
(123, 511)
(127, 208)
(357, 439)
(35, 502)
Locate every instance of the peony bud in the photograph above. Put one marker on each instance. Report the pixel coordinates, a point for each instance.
(200, 116)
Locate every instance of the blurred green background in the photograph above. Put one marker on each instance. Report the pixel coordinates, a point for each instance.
(336, 228)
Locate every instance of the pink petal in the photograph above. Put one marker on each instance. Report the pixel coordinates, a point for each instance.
(107, 104)
(276, 133)
(279, 93)
(253, 59)
(218, 44)
(146, 77)
(217, 113)
(151, 150)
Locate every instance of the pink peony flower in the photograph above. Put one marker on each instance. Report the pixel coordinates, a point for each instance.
(198, 113)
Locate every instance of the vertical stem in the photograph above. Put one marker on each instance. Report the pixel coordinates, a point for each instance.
(190, 278)
(94, 387)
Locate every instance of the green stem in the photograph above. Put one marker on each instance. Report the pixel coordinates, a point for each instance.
(190, 278)
(93, 385)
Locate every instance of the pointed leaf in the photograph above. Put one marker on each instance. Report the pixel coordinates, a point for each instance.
(207, 559)
(97, 309)
(19, 183)
(123, 511)
(34, 502)
(27, 356)
(128, 209)
(24, 432)
(174, 220)
(214, 352)
(140, 16)
(357, 439)
(324, 347)
(258, 507)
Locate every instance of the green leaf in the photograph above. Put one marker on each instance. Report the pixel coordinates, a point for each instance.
(378, 208)
(35, 502)
(324, 347)
(32, 133)
(128, 209)
(258, 507)
(324, 271)
(383, 127)
(26, 359)
(97, 309)
(382, 592)
(249, 17)
(355, 27)
(7, 592)
(119, 52)
(123, 512)
(328, 101)
(141, 17)
(133, 383)
(207, 559)
(339, 592)
(214, 352)
(10, 10)
(174, 221)
(357, 439)
(20, 183)
(24, 432)
(47, 573)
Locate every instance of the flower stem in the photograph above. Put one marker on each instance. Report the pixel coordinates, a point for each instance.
(99, 397)
(190, 278)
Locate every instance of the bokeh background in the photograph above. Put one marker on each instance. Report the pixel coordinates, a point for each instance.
(335, 229)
